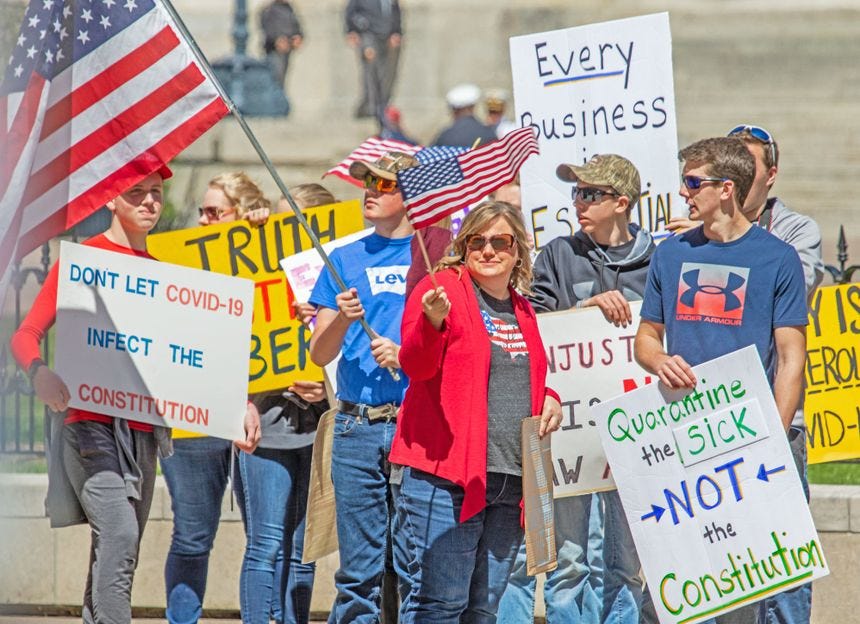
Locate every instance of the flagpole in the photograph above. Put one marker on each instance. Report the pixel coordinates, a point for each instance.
(204, 63)
(426, 255)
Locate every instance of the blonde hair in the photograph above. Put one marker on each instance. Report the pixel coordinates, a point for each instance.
(311, 195)
(241, 191)
(479, 219)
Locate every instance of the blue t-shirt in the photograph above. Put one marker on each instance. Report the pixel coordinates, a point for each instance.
(376, 266)
(714, 298)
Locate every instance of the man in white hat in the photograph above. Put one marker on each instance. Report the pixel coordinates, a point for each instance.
(465, 129)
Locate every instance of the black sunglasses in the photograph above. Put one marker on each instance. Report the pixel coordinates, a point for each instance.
(590, 194)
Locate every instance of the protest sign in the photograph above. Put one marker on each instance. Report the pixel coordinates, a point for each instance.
(153, 342)
(832, 405)
(710, 489)
(280, 344)
(589, 360)
(601, 88)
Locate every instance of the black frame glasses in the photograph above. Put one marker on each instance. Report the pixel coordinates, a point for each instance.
(589, 194)
(694, 183)
(499, 242)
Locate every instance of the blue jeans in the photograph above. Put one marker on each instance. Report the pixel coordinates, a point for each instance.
(363, 504)
(622, 587)
(457, 571)
(271, 488)
(196, 476)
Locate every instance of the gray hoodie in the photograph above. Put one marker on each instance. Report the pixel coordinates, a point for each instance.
(570, 269)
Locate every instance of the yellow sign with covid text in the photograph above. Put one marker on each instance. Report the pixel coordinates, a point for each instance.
(280, 344)
(832, 404)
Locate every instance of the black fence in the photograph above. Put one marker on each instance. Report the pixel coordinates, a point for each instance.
(22, 417)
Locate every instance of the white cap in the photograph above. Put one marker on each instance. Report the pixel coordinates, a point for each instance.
(463, 96)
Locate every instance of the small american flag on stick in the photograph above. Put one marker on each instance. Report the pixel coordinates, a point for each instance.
(435, 190)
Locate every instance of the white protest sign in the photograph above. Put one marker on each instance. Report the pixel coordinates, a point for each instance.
(590, 359)
(601, 88)
(710, 490)
(153, 342)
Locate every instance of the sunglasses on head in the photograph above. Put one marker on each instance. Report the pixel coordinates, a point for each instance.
(695, 182)
(375, 183)
(758, 133)
(499, 242)
(590, 194)
(212, 213)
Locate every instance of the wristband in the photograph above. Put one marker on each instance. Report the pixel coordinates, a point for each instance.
(34, 367)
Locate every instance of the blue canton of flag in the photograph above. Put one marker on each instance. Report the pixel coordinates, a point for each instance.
(431, 154)
(417, 180)
(488, 322)
(55, 35)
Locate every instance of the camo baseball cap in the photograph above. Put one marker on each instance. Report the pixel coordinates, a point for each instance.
(385, 167)
(605, 170)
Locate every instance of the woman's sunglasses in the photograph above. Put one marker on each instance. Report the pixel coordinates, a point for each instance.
(499, 242)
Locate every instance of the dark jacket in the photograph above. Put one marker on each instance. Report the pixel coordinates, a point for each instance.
(278, 19)
(570, 269)
(464, 131)
(369, 17)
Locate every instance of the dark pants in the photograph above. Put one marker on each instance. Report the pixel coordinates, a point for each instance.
(378, 75)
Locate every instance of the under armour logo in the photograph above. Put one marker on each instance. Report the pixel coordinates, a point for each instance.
(733, 283)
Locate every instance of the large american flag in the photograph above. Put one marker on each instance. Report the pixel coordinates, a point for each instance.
(96, 95)
(433, 191)
(374, 147)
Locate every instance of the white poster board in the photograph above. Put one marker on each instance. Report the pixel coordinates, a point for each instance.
(600, 88)
(590, 359)
(153, 342)
(710, 490)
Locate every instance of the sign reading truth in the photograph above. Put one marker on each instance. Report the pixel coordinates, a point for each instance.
(710, 490)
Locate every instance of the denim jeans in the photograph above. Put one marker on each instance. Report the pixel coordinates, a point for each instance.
(568, 593)
(196, 476)
(457, 571)
(622, 588)
(363, 504)
(271, 488)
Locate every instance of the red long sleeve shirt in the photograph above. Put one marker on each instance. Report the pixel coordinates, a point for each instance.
(27, 339)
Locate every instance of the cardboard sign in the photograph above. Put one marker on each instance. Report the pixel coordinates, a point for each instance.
(153, 342)
(710, 490)
(280, 344)
(589, 360)
(832, 405)
(538, 510)
(601, 88)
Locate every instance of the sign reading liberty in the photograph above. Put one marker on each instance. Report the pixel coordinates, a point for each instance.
(711, 292)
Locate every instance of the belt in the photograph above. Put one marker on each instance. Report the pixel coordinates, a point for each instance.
(386, 411)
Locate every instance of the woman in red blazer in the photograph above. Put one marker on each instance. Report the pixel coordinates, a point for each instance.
(477, 367)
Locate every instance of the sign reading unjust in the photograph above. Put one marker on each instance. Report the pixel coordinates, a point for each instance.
(153, 342)
(280, 344)
(710, 490)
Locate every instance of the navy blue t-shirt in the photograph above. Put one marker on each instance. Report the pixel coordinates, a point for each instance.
(376, 266)
(714, 298)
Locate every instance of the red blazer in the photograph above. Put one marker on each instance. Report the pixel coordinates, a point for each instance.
(442, 424)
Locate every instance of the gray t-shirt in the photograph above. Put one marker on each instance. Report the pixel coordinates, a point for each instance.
(509, 390)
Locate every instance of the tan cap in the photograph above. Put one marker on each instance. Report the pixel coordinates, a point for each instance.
(496, 100)
(385, 167)
(605, 170)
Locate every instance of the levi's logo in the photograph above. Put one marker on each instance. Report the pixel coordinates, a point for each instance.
(390, 279)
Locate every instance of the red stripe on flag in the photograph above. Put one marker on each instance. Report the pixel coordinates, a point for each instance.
(113, 131)
(109, 80)
(20, 130)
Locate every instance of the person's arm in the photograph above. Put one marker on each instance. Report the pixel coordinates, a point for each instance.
(424, 342)
(551, 415)
(790, 343)
(546, 290)
(648, 350)
(332, 325)
(252, 430)
(614, 306)
(805, 237)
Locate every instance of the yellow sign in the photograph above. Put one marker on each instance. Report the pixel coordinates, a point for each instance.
(280, 344)
(832, 404)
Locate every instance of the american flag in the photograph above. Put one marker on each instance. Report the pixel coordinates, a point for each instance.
(375, 147)
(95, 94)
(433, 191)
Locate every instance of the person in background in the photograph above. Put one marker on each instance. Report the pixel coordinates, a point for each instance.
(282, 33)
(477, 367)
(392, 126)
(496, 101)
(197, 473)
(374, 29)
(465, 129)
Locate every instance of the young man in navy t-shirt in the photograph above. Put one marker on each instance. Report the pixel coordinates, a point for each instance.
(374, 270)
(725, 284)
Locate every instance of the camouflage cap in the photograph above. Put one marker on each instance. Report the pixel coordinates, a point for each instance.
(605, 170)
(385, 167)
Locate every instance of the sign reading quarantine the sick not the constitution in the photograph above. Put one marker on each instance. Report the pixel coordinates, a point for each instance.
(153, 342)
(600, 88)
(590, 359)
(832, 405)
(710, 490)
